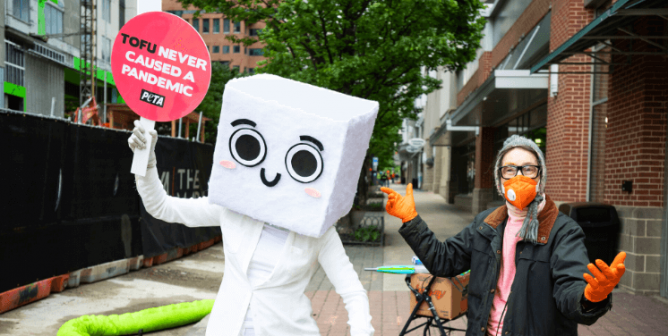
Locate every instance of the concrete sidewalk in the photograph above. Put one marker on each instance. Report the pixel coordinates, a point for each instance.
(389, 296)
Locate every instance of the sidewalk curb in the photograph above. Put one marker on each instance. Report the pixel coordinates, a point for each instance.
(38, 290)
(104, 271)
(179, 252)
(21, 296)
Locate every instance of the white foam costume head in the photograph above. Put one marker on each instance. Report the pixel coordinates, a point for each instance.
(289, 153)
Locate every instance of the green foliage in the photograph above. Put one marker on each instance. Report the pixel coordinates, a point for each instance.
(367, 233)
(373, 49)
(213, 101)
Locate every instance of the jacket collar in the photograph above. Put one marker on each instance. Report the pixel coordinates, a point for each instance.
(546, 219)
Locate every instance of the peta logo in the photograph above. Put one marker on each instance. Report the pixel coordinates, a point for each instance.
(152, 98)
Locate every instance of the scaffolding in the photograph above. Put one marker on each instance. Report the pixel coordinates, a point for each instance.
(87, 51)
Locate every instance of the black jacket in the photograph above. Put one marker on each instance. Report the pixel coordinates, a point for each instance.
(547, 293)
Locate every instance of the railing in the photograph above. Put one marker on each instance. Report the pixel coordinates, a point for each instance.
(48, 53)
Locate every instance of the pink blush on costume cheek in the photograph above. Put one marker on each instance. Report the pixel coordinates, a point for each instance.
(228, 164)
(312, 192)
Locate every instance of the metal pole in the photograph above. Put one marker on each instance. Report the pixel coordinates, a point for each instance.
(663, 284)
(199, 125)
(180, 127)
(53, 105)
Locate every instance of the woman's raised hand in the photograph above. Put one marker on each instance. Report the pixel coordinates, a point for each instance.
(605, 278)
(402, 207)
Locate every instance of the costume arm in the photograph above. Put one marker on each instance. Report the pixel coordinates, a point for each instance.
(339, 270)
(189, 211)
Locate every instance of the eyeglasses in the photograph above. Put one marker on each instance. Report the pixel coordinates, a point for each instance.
(510, 171)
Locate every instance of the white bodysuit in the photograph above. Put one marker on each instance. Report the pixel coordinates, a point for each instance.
(265, 258)
(274, 285)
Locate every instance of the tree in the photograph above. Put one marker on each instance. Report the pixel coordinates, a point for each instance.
(213, 101)
(373, 49)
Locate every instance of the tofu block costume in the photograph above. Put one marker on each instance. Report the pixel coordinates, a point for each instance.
(286, 165)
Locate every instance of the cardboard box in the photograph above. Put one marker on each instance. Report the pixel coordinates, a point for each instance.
(449, 298)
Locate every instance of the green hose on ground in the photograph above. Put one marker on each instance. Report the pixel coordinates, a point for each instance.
(151, 319)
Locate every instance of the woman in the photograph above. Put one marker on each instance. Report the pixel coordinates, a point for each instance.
(528, 262)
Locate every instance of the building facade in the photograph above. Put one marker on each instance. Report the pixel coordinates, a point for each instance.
(584, 79)
(41, 57)
(214, 28)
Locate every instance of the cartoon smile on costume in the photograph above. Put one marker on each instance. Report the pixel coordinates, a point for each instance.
(287, 152)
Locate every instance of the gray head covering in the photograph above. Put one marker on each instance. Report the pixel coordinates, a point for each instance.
(529, 230)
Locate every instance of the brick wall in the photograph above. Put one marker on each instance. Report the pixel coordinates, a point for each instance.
(484, 158)
(469, 87)
(636, 132)
(484, 170)
(568, 112)
(484, 67)
(635, 150)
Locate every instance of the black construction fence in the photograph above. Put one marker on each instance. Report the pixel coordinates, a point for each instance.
(69, 201)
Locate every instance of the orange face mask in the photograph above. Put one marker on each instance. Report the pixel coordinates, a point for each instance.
(520, 191)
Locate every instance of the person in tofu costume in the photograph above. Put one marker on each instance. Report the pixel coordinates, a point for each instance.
(286, 164)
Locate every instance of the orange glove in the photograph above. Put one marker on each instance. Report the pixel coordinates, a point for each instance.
(399, 206)
(605, 279)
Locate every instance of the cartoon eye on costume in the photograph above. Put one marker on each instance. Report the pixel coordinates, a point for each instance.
(248, 147)
(304, 163)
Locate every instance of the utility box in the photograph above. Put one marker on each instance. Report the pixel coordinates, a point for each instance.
(601, 226)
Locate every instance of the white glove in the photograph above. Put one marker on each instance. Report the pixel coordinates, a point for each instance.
(138, 140)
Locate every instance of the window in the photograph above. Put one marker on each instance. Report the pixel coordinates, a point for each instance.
(237, 27)
(255, 32)
(121, 13)
(53, 19)
(106, 10)
(226, 26)
(14, 63)
(216, 49)
(196, 24)
(21, 10)
(205, 26)
(598, 127)
(255, 52)
(226, 49)
(251, 70)
(225, 63)
(106, 49)
(245, 51)
(237, 49)
(216, 26)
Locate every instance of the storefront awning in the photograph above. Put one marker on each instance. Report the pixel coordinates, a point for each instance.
(502, 95)
(605, 27)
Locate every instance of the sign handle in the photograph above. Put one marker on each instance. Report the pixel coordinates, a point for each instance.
(140, 159)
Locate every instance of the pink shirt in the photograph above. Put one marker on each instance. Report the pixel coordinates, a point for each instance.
(507, 272)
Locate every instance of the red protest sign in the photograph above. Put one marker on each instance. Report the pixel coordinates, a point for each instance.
(161, 66)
